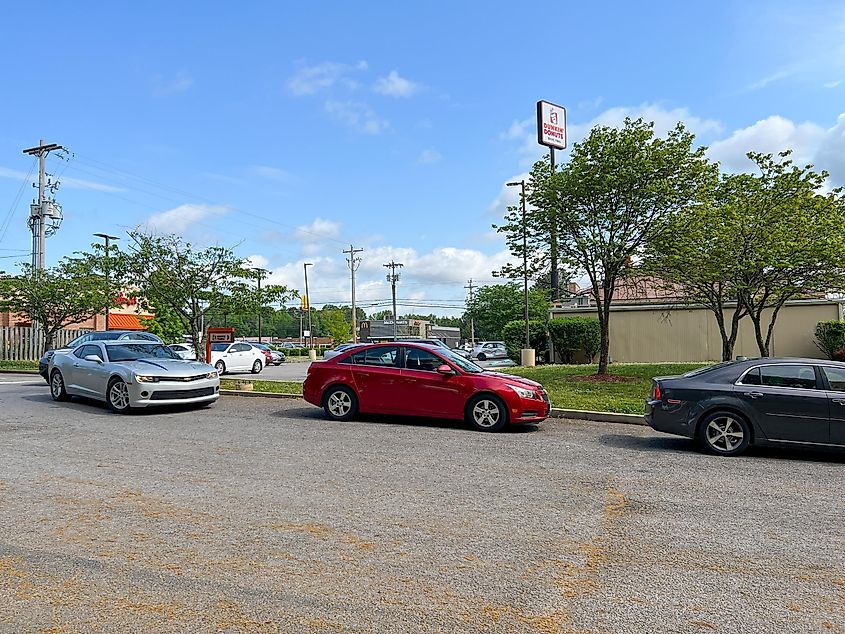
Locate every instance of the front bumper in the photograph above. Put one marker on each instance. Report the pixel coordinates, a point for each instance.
(530, 410)
(174, 392)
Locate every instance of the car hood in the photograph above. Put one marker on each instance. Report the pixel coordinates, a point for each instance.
(510, 378)
(166, 367)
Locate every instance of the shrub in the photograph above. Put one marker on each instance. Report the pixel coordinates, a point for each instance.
(830, 339)
(513, 334)
(571, 335)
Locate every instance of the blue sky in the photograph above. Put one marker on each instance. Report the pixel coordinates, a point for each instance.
(290, 133)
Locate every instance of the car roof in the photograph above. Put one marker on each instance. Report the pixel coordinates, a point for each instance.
(123, 342)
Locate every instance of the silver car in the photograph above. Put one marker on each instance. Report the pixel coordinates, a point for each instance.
(130, 374)
(486, 350)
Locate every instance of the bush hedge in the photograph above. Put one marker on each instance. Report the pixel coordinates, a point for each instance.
(513, 334)
(830, 339)
(574, 335)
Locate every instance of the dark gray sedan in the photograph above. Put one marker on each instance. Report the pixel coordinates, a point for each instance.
(730, 405)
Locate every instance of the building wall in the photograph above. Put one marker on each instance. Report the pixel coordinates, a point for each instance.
(648, 334)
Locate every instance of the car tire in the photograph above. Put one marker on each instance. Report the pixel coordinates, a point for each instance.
(277, 363)
(117, 396)
(220, 367)
(486, 412)
(57, 387)
(257, 366)
(481, 356)
(340, 403)
(724, 434)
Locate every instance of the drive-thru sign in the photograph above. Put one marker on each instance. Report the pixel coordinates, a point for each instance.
(551, 125)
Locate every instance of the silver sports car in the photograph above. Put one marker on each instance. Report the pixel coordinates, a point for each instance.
(127, 374)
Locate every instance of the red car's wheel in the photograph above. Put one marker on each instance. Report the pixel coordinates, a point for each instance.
(340, 403)
(486, 412)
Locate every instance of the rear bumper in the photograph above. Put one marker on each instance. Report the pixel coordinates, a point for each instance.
(669, 419)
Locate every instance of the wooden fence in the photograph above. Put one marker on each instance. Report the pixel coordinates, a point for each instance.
(27, 344)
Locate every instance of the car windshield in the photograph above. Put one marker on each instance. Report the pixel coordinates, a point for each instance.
(93, 336)
(708, 368)
(135, 351)
(219, 347)
(462, 362)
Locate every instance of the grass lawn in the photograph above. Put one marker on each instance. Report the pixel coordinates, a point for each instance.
(18, 365)
(277, 387)
(572, 386)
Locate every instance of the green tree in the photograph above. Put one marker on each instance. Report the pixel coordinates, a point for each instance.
(513, 334)
(335, 324)
(195, 283)
(166, 323)
(57, 297)
(494, 306)
(614, 195)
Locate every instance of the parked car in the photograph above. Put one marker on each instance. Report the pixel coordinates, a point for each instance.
(128, 374)
(485, 350)
(97, 335)
(184, 351)
(276, 357)
(237, 357)
(419, 380)
(732, 405)
(331, 354)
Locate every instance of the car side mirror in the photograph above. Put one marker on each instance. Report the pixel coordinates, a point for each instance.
(445, 370)
(93, 357)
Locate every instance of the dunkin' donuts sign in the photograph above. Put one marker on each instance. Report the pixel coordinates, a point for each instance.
(551, 125)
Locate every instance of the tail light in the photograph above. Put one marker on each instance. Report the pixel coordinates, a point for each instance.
(656, 394)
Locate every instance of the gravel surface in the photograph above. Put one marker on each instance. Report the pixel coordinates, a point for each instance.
(257, 515)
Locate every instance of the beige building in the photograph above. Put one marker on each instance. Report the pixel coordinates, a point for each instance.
(650, 332)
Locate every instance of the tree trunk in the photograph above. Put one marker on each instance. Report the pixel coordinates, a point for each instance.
(196, 341)
(49, 338)
(762, 344)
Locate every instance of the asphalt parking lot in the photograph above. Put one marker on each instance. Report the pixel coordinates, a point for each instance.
(257, 515)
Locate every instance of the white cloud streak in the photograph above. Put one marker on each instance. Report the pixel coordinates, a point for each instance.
(395, 86)
(181, 218)
(310, 80)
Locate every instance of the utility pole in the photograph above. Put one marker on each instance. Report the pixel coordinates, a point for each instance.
(308, 305)
(393, 277)
(353, 264)
(107, 238)
(43, 207)
(524, 259)
(260, 272)
(470, 286)
(553, 250)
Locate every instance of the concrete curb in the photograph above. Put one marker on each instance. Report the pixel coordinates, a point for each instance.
(574, 414)
(6, 371)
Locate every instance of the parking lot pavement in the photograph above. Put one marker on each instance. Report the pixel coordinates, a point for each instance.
(258, 515)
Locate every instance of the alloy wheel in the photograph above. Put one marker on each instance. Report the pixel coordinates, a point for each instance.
(56, 385)
(724, 434)
(486, 413)
(339, 403)
(119, 395)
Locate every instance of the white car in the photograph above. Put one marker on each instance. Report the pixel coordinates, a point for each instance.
(236, 357)
(183, 351)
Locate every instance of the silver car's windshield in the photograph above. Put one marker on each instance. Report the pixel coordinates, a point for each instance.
(135, 351)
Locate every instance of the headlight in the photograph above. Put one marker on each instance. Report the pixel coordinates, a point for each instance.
(143, 378)
(211, 375)
(524, 393)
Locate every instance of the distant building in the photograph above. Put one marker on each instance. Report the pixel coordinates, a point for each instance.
(375, 330)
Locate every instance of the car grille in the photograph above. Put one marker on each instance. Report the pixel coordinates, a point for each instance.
(167, 395)
(181, 379)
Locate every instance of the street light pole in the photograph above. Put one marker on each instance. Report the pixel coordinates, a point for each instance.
(106, 237)
(260, 272)
(308, 304)
(524, 260)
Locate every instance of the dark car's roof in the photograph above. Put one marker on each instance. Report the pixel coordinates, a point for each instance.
(732, 370)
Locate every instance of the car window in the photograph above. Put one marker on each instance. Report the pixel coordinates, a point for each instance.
(384, 356)
(752, 377)
(79, 341)
(836, 378)
(84, 351)
(422, 360)
(792, 376)
(143, 336)
(219, 347)
(241, 347)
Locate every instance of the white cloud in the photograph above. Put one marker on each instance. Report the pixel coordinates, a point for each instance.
(770, 135)
(272, 173)
(770, 79)
(183, 217)
(832, 84)
(317, 231)
(429, 156)
(257, 261)
(66, 181)
(395, 86)
(357, 115)
(508, 197)
(519, 129)
(309, 80)
(164, 86)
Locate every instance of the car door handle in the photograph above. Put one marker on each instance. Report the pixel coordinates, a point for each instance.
(754, 394)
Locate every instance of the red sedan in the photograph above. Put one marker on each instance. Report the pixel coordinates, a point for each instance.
(413, 380)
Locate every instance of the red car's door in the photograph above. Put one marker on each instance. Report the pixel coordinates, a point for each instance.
(375, 372)
(422, 391)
